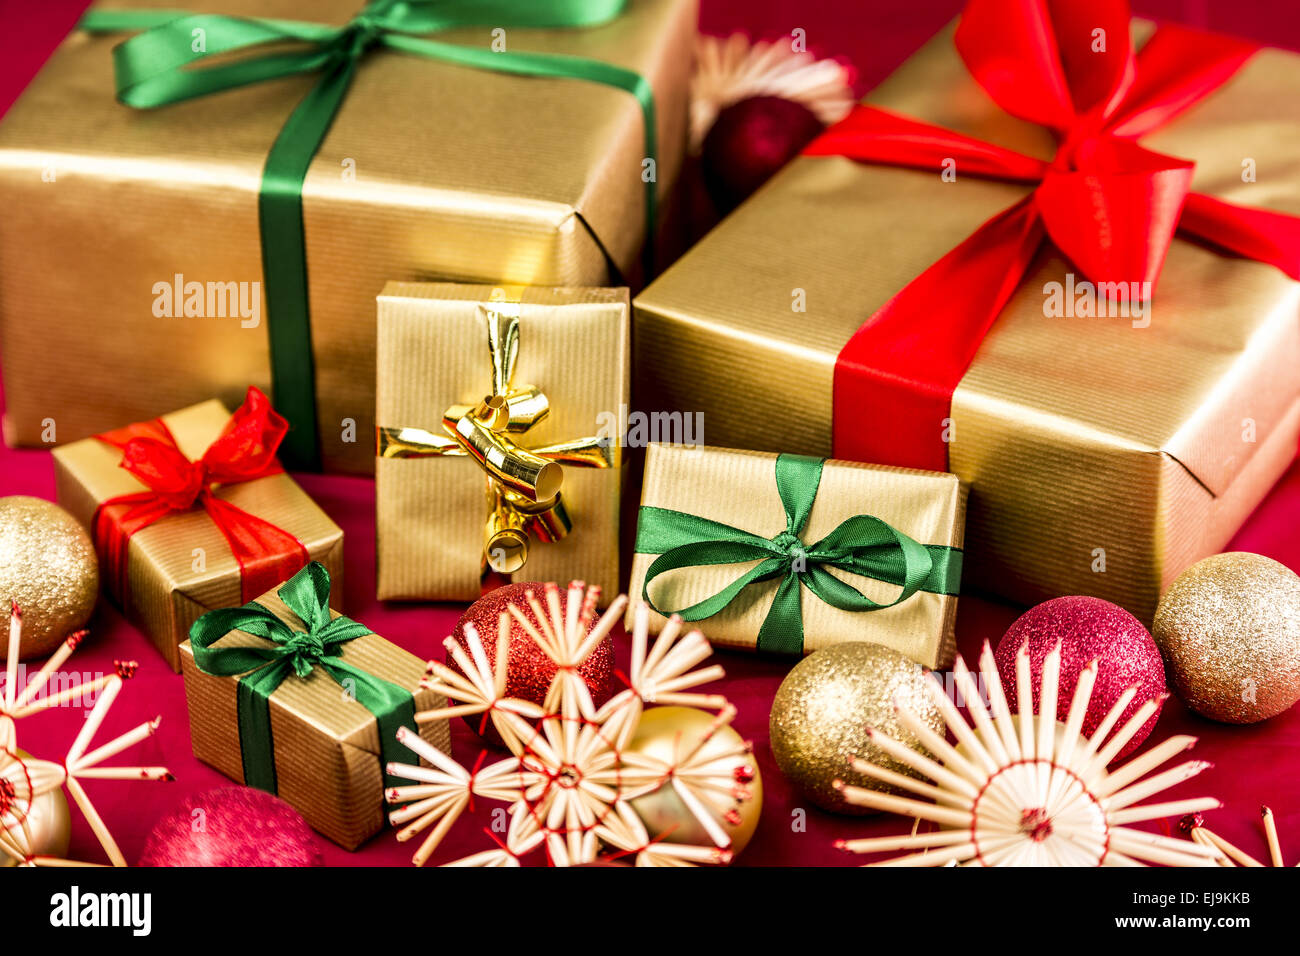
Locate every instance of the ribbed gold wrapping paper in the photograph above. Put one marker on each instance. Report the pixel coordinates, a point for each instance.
(738, 488)
(459, 174)
(433, 353)
(327, 755)
(1083, 440)
(166, 592)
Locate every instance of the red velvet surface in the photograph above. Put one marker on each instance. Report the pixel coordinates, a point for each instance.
(1253, 765)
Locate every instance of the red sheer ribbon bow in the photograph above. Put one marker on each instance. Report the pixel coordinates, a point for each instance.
(245, 450)
(1109, 205)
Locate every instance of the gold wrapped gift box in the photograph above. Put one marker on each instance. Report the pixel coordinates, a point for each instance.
(429, 171)
(1102, 458)
(326, 744)
(434, 503)
(181, 566)
(738, 488)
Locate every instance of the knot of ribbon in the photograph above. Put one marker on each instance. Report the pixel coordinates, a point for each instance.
(244, 451)
(288, 651)
(164, 65)
(1109, 205)
(861, 545)
(523, 483)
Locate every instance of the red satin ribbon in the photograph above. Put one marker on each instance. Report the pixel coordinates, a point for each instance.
(1109, 205)
(244, 451)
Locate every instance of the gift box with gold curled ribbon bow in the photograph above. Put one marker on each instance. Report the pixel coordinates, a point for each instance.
(1053, 261)
(192, 511)
(787, 554)
(257, 169)
(498, 444)
(291, 697)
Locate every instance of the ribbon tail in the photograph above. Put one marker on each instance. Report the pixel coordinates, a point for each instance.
(266, 554)
(878, 377)
(1258, 234)
(782, 630)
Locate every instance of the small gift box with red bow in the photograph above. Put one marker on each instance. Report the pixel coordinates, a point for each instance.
(1054, 254)
(192, 511)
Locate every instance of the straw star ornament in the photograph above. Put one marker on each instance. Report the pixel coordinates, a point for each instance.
(24, 779)
(571, 777)
(1027, 790)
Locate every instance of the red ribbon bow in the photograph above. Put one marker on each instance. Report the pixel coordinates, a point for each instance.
(244, 451)
(1109, 205)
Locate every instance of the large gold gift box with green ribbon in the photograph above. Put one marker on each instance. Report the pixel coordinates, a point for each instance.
(291, 697)
(232, 219)
(787, 554)
(498, 444)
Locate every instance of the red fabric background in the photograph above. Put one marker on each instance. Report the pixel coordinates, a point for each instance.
(1254, 765)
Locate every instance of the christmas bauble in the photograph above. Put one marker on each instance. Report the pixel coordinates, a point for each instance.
(49, 569)
(45, 820)
(1088, 629)
(530, 671)
(824, 708)
(1229, 628)
(661, 734)
(751, 140)
(232, 826)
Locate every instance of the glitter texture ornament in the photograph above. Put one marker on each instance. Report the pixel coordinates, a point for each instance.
(26, 781)
(572, 777)
(48, 568)
(532, 671)
(1027, 790)
(232, 826)
(823, 710)
(1229, 628)
(1089, 629)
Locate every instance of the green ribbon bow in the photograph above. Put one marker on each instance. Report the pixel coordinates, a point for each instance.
(156, 68)
(266, 667)
(862, 545)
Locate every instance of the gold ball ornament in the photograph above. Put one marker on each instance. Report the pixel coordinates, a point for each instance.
(49, 569)
(824, 708)
(1229, 630)
(46, 820)
(661, 734)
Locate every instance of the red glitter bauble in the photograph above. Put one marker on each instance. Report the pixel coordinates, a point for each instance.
(1088, 629)
(232, 826)
(530, 671)
(749, 141)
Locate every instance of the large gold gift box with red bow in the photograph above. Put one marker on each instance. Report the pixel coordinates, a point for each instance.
(1104, 453)
(191, 512)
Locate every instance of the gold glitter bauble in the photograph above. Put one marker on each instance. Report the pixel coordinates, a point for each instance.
(662, 733)
(48, 566)
(824, 707)
(1229, 630)
(47, 821)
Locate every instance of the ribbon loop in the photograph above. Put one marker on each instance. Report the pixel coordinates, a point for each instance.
(862, 545)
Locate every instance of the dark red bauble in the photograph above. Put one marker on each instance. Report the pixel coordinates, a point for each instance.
(530, 671)
(749, 141)
(1088, 629)
(232, 826)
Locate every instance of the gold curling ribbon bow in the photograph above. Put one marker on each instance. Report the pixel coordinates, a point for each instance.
(522, 483)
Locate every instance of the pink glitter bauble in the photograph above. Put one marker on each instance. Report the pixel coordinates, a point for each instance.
(530, 671)
(1088, 629)
(232, 826)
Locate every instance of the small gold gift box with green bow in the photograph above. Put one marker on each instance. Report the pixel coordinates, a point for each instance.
(497, 445)
(787, 554)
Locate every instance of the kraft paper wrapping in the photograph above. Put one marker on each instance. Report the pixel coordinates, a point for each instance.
(433, 353)
(327, 755)
(429, 171)
(166, 593)
(1087, 443)
(738, 488)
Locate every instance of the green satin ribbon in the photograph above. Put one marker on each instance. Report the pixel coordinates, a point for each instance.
(863, 545)
(156, 68)
(266, 667)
